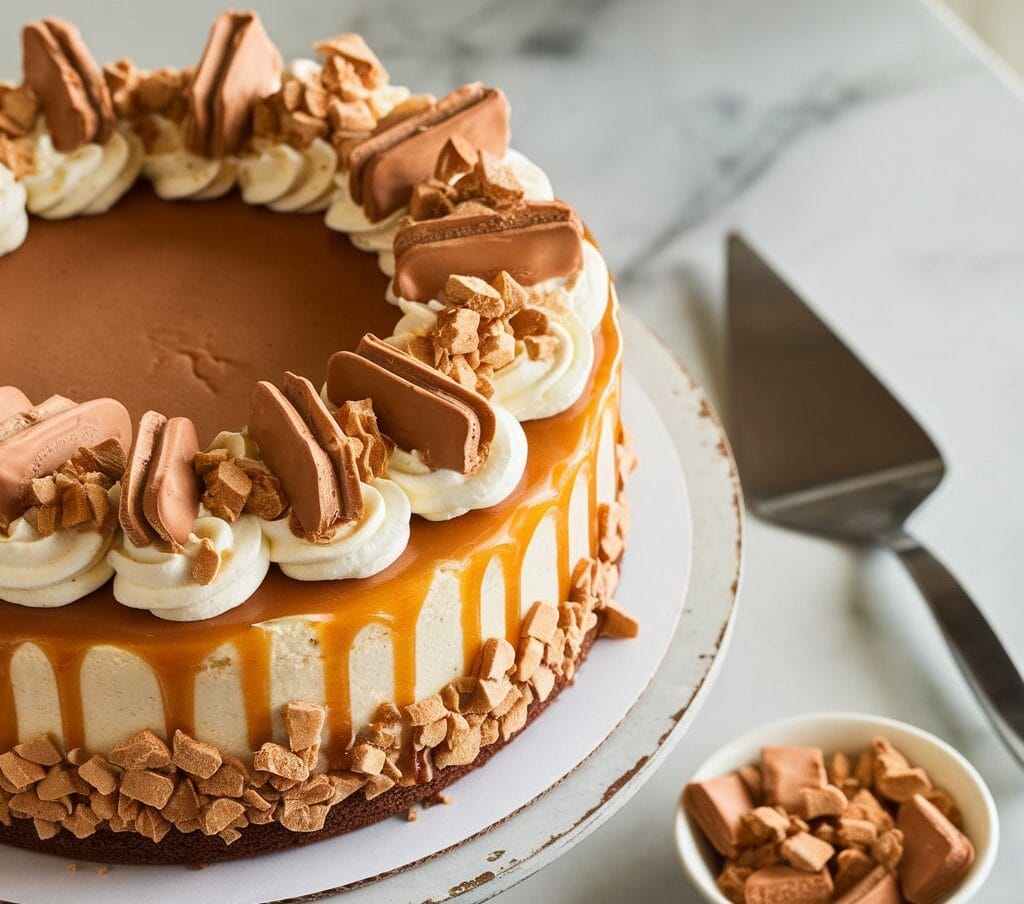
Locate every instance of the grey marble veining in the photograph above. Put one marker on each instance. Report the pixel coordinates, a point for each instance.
(878, 161)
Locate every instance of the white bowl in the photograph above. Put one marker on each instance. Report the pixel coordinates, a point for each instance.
(850, 732)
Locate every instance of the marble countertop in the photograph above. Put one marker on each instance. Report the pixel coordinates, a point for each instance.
(878, 160)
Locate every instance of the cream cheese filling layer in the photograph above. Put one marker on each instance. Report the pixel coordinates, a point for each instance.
(162, 582)
(47, 572)
(89, 180)
(178, 174)
(356, 550)
(443, 494)
(345, 215)
(13, 216)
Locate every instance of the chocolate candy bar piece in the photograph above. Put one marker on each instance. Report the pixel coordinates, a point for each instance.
(72, 92)
(240, 65)
(936, 854)
(418, 407)
(341, 449)
(293, 454)
(38, 442)
(533, 242)
(716, 806)
(12, 401)
(787, 771)
(384, 168)
(785, 885)
(170, 499)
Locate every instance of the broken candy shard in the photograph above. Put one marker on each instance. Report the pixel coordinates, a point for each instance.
(716, 806)
(170, 498)
(131, 513)
(418, 407)
(533, 242)
(12, 401)
(44, 445)
(70, 87)
(877, 887)
(294, 456)
(787, 771)
(936, 854)
(341, 449)
(239, 65)
(384, 168)
(785, 885)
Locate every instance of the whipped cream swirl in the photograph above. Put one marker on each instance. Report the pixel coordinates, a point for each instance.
(444, 494)
(178, 174)
(288, 179)
(13, 217)
(89, 180)
(357, 550)
(537, 388)
(46, 572)
(345, 215)
(148, 578)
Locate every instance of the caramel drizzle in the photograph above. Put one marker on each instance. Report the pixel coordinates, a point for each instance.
(559, 448)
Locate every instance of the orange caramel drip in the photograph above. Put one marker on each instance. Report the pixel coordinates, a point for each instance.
(558, 448)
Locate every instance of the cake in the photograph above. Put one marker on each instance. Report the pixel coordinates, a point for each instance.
(311, 460)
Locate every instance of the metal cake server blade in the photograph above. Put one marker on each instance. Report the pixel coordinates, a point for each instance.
(823, 447)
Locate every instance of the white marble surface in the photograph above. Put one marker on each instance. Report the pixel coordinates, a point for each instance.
(880, 163)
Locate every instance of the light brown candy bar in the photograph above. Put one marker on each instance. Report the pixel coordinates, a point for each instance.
(12, 401)
(52, 436)
(292, 453)
(239, 65)
(877, 887)
(70, 86)
(131, 513)
(341, 449)
(170, 498)
(15, 423)
(384, 168)
(935, 853)
(533, 242)
(717, 806)
(785, 885)
(418, 407)
(787, 771)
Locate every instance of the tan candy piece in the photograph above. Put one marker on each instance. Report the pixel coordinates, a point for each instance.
(239, 65)
(12, 401)
(292, 453)
(787, 771)
(170, 497)
(785, 885)
(717, 805)
(877, 887)
(935, 853)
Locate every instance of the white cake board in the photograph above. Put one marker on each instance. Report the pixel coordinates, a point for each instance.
(573, 767)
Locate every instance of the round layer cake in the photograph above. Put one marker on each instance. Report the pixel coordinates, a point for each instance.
(236, 617)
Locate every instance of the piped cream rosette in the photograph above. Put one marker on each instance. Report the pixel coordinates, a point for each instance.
(179, 174)
(89, 180)
(50, 571)
(13, 216)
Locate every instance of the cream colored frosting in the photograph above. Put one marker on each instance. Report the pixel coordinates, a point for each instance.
(179, 174)
(357, 550)
(538, 388)
(442, 494)
(89, 180)
(13, 216)
(345, 215)
(148, 578)
(46, 572)
(288, 179)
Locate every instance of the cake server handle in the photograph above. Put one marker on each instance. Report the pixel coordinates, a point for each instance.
(981, 656)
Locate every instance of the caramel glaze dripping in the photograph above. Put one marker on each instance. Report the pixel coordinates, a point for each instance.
(558, 448)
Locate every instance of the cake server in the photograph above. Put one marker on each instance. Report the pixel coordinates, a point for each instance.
(823, 447)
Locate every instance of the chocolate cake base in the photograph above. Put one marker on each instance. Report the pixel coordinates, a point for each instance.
(195, 848)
